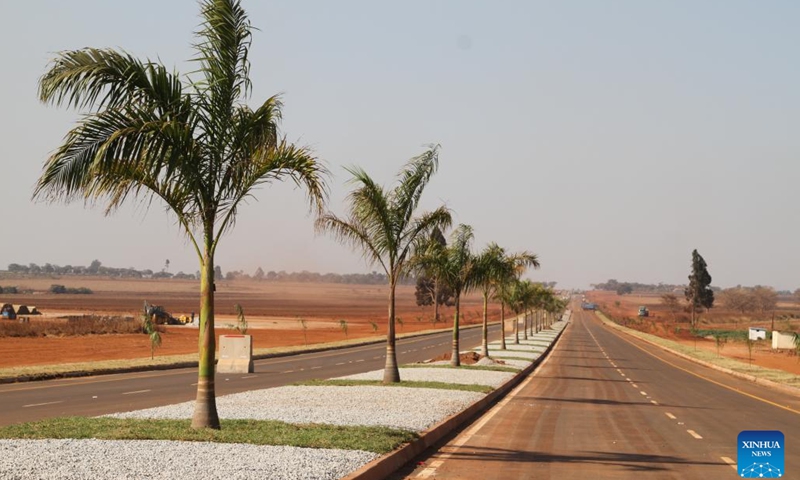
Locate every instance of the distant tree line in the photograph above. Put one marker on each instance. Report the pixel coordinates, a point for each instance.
(629, 287)
(96, 268)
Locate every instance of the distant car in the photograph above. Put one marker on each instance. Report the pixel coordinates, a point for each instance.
(644, 312)
(589, 306)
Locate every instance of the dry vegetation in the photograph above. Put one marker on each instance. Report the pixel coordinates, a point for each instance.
(729, 325)
(72, 326)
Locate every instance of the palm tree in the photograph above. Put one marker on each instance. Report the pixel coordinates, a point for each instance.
(426, 261)
(382, 225)
(494, 268)
(519, 297)
(458, 272)
(195, 146)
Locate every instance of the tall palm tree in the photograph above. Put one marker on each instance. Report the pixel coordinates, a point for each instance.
(195, 146)
(519, 296)
(494, 267)
(458, 272)
(382, 224)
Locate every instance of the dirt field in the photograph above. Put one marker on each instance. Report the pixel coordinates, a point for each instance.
(676, 326)
(272, 310)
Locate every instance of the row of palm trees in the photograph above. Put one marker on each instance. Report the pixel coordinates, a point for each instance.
(192, 143)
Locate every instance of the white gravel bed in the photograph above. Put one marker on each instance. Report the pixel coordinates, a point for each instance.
(161, 459)
(395, 407)
(509, 362)
(446, 375)
(514, 346)
(507, 353)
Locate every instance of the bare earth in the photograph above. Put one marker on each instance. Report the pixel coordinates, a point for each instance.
(272, 310)
(662, 323)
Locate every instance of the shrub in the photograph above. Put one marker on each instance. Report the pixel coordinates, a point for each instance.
(59, 289)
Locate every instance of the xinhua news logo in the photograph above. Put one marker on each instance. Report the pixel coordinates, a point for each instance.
(761, 454)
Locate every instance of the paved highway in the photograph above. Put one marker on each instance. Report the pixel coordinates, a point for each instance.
(104, 394)
(605, 406)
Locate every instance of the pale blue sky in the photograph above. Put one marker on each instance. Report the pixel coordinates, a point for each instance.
(611, 138)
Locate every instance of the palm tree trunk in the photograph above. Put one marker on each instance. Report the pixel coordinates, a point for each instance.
(516, 329)
(525, 326)
(205, 407)
(436, 301)
(502, 326)
(391, 374)
(485, 342)
(454, 359)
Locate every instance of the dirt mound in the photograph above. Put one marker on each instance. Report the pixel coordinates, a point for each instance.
(469, 358)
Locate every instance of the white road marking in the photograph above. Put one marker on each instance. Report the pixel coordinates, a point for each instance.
(287, 371)
(730, 462)
(194, 385)
(359, 360)
(340, 363)
(40, 404)
(653, 402)
(249, 376)
(465, 436)
(136, 391)
(671, 416)
(315, 368)
(634, 385)
(694, 434)
(644, 393)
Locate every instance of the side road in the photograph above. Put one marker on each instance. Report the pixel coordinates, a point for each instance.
(432, 401)
(777, 379)
(171, 362)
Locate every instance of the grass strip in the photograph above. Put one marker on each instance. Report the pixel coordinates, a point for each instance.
(377, 383)
(488, 368)
(256, 432)
(778, 376)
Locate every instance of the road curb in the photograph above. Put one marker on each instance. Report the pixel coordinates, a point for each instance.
(193, 363)
(744, 376)
(384, 466)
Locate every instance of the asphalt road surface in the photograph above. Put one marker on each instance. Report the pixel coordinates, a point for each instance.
(89, 396)
(605, 406)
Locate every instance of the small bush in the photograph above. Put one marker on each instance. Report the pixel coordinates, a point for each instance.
(60, 289)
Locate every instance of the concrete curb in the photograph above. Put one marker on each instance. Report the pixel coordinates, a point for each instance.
(386, 465)
(745, 376)
(193, 363)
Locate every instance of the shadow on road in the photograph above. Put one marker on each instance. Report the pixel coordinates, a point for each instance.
(629, 461)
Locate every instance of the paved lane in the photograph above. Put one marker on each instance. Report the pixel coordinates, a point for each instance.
(114, 393)
(606, 407)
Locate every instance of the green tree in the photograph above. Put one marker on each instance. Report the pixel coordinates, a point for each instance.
(493, 268)
(381, 223)
(195, 146)
(698, 292)
(458, 272)
(519, 296)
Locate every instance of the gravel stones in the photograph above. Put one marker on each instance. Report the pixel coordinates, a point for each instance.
(395, 407)
(158, 459)
(445, 375)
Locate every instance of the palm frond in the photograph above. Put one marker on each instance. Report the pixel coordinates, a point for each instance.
(351, 233)
(105, 78)
(413, 179)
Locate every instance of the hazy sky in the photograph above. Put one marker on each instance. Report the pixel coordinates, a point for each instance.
(611, 138)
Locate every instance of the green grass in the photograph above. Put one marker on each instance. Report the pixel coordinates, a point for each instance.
(777, 376)
(738, 335)
(489, 368)
(524, 359)
(378, 383)
(256, 432)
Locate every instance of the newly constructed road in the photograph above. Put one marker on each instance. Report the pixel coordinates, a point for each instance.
(99, 395)
(605, 406)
